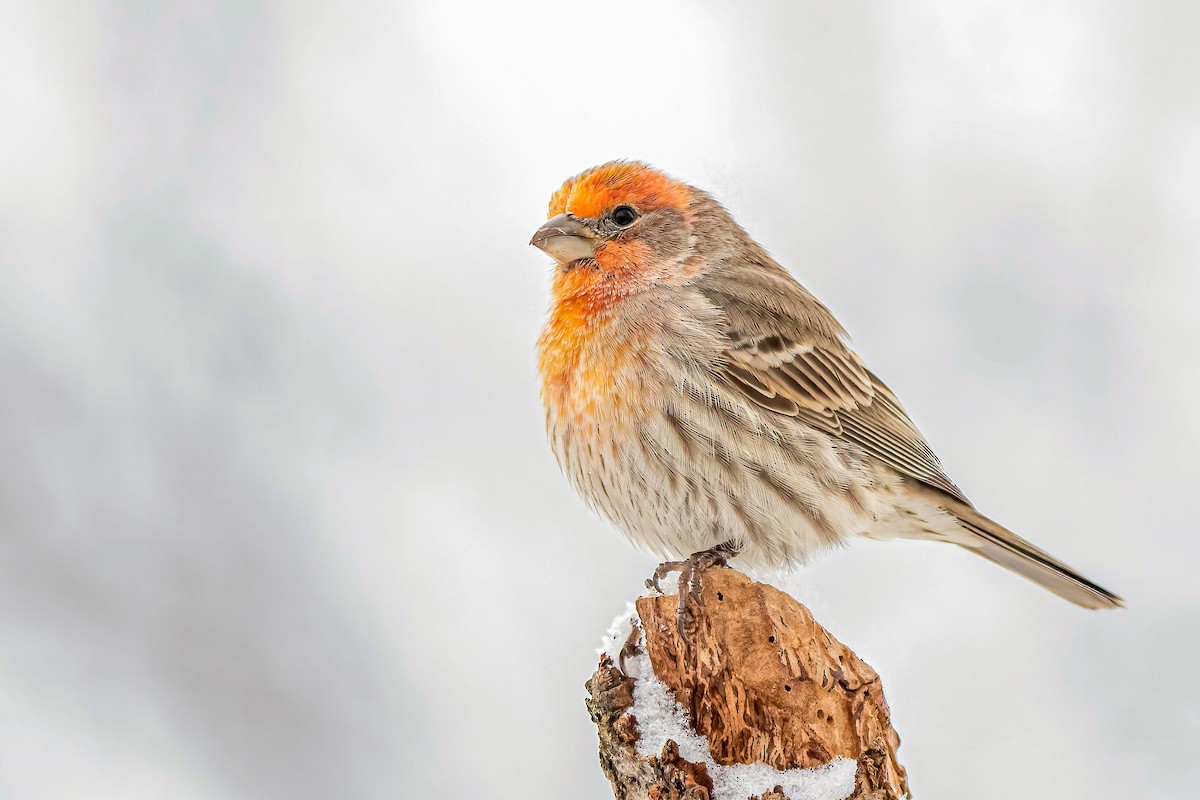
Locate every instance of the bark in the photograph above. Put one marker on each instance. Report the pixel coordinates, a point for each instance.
(762, 680)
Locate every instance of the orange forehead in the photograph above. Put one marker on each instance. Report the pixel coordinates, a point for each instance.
(590, 194)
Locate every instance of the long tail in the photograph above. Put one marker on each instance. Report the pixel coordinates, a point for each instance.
(1001, 546)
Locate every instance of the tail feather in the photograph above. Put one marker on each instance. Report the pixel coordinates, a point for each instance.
(1001, 546)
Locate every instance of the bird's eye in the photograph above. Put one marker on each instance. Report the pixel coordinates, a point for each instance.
(624, 215)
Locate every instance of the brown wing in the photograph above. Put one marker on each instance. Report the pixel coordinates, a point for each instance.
(827, 386)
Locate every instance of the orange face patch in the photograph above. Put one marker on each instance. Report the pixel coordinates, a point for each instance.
(590, 194)
(627, 259)
(583, 363)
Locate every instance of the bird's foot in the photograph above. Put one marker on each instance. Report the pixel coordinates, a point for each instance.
(689, 571)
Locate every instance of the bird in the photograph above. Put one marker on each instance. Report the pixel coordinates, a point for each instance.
(710, 407)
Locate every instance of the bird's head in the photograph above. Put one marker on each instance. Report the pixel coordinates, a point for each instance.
(624, 220)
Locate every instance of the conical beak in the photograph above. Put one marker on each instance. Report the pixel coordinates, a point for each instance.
(565, 239)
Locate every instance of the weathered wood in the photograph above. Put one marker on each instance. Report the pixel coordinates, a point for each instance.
(762, 680)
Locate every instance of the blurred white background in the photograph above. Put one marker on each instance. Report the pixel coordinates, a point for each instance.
(278, 516)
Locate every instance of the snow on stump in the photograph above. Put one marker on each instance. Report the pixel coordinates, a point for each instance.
(760, 702)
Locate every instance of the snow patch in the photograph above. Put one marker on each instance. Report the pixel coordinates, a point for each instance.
(618, 632)
(660, 717)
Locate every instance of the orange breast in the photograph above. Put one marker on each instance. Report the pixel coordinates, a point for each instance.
(586, 356)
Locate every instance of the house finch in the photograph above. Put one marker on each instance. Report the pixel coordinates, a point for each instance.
(707, 404)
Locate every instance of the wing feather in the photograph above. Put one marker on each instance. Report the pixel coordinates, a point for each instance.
(827, 385)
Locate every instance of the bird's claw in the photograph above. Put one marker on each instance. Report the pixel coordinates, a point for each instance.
(690, 570)
(660, 572)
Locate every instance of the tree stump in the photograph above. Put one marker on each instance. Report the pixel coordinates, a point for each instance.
(759, 702)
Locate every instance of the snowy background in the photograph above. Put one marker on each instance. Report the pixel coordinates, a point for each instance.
(278, 518)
